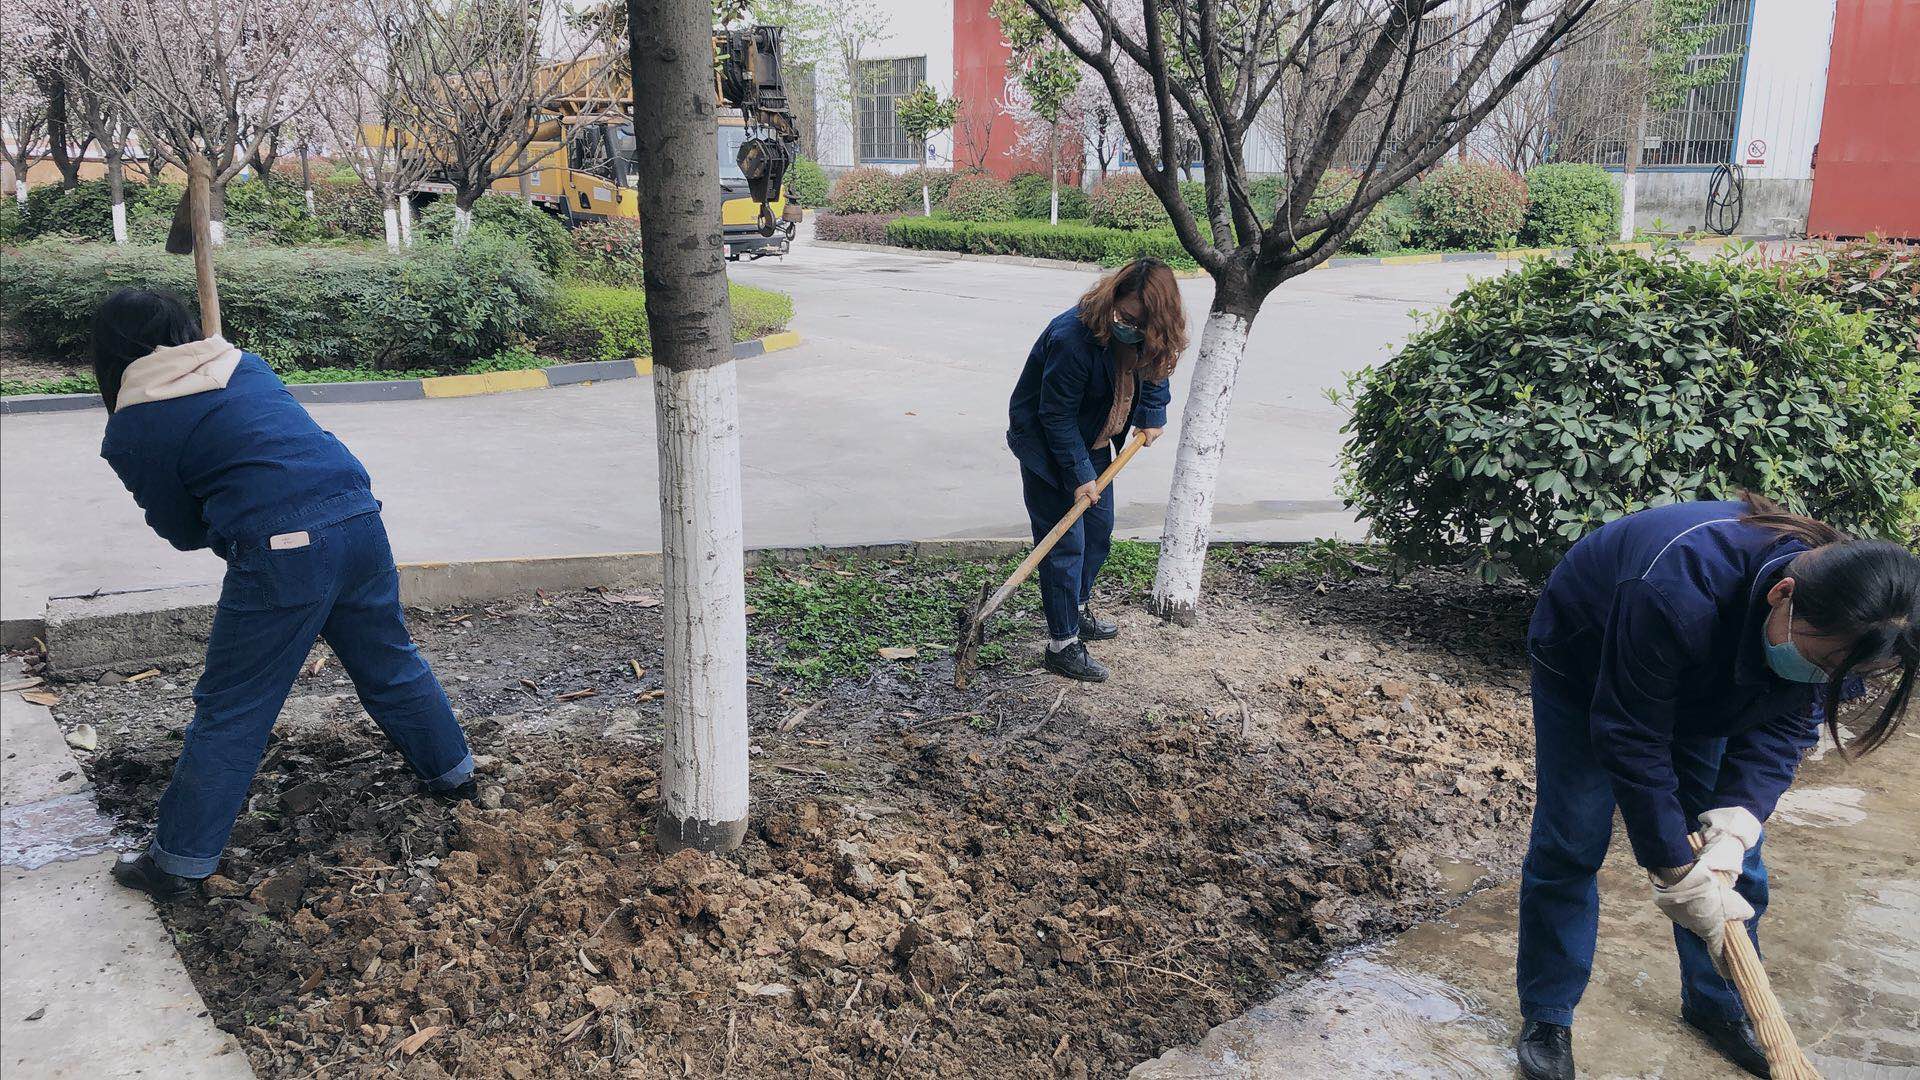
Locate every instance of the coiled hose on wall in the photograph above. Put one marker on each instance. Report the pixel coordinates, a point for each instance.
(1726, 200)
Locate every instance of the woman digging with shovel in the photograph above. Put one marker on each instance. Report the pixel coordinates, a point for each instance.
(220, 456)
(1098, 369)
(1684, 658)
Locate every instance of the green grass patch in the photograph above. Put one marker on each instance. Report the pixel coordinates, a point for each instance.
(1320, 560)
(79, 383)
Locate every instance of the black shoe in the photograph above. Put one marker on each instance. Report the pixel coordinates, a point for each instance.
(140, 872)
(1095, 628)
(467, 792)
(1074, 663)
(1733, 1037)
(1546, 1051)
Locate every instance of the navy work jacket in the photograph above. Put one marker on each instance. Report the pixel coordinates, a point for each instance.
(234, 465)
(1661, 614)
(1062, 400)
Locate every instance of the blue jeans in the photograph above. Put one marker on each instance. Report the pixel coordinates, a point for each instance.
(274, 602)
(1572, 826)
(1067, 573)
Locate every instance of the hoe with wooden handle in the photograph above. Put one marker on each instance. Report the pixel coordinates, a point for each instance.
(192, 232)
(1785, 1061)
(973, 621)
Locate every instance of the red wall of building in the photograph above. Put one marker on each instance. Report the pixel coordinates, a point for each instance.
(984, 134)
(1866, 169)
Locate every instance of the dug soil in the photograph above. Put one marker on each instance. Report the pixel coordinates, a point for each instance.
(1028, 878)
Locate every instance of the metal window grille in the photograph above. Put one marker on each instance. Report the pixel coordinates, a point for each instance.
(1593, 107)
(882, 84)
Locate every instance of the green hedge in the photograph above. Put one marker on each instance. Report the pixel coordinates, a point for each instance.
(434, 307)
(938, 181)
(608, 252)
(605, 322)
(1472, 205)
(867, 190)
(1541, 403)
(807, 182)
(1571, 204)
(1125, 201)
(1033, 198)
(255, 211)
(349, 209)
(1039, 240)
(543, 234)
(979, 197)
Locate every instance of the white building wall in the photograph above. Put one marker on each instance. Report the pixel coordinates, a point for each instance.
(1785, 88)
(914, 28)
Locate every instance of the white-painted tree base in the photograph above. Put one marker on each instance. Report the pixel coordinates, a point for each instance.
(926, 200)
(462, 223)
(390, 217)
(309, 194)
(406, 221)
(1196, 466)
(1629, 183)
(20, 192)
(703, 781)
(120, 223)
(217, 232)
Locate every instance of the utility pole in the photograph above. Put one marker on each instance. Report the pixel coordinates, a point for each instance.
(703, 774)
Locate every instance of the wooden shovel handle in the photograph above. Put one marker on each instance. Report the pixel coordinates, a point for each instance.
(1080, 506)
(1784, 1057)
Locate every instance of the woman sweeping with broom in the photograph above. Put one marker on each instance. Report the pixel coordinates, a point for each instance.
(220, 456)
(1683, 659)
(1098, 369)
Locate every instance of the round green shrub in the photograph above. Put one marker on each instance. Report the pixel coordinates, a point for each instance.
(1542, 403)
(82, 212)
(1124, 201)
(807, 182)
(1391, 226)
(349, 208)
(1033, 198)
(608, 252)
(541, 233)
(979, 197)
(1472, 204)
(275, 213)
(938, 181)
(1571, 204)
(867, 190)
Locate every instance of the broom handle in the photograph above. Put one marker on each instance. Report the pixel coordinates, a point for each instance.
(1784, 1057)
(1080, 506)
(200, 206)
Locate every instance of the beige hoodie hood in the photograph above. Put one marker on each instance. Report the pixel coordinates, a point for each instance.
(178, 371)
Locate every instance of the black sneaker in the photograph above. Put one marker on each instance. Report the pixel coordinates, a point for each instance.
(1095, 628)
(1546, 1051)
(1733, 1037)
(1074, 663)
(141, 872)
(467, 792)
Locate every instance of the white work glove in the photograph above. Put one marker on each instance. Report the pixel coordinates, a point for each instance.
(1735, 821)
(1703, 900)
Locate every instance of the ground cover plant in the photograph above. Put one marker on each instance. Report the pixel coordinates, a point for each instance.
(1007, 881)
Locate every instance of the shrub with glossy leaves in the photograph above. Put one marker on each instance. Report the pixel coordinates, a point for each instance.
(938, 181)
(1124, 201)
(1033, 198)
(979, 197)
(608, 252)
(542, 234)
(1542, 403)
(606, 322)
(1571, 204)
(807, 182)
(349, 208)
(867, 190)
(1473, 205)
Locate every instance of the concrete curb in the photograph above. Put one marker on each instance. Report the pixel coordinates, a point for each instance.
(168, 627)
(93, 985)
(1422, 259)
(441, 386)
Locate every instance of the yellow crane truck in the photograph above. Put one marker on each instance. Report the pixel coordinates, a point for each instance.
(584, 153)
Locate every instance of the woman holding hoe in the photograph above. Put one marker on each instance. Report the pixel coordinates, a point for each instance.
(220, 456)
(1684, 658)
(1098, 369)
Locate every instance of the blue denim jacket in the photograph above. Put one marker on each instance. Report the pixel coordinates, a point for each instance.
(1062, 400)
(1661, 614)
(232, 465)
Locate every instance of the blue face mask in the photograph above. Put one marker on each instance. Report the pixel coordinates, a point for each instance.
(1788, 662)
(1127, 333)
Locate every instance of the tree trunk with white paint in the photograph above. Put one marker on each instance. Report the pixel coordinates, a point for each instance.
(703, 773)
(117, 191)
(406, 221)
(306, 179)
(926, 200)
(390, 217)
(1196, 465)
(462, 223)
(20, 190)
(1053, 161)
(217, 212)
(1630, 172)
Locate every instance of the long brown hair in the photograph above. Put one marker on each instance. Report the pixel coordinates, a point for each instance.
(1867, 591)
(1166, 322)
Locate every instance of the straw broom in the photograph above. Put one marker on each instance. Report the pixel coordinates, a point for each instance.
(1784, 1057)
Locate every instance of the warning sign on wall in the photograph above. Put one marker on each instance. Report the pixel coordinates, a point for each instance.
(1756, 151)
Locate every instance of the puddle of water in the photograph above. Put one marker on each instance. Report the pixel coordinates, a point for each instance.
(1822, 807)
(1459, 876)
(57, 829)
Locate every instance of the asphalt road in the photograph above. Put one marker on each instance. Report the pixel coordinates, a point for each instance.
(886, 423)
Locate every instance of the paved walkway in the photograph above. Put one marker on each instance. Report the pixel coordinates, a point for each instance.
(93, 987)
(1842, 940)
(886, 423)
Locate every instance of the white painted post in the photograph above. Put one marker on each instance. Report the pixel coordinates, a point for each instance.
(1196, 466)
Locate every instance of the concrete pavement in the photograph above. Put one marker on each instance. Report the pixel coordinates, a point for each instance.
(886, 423)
